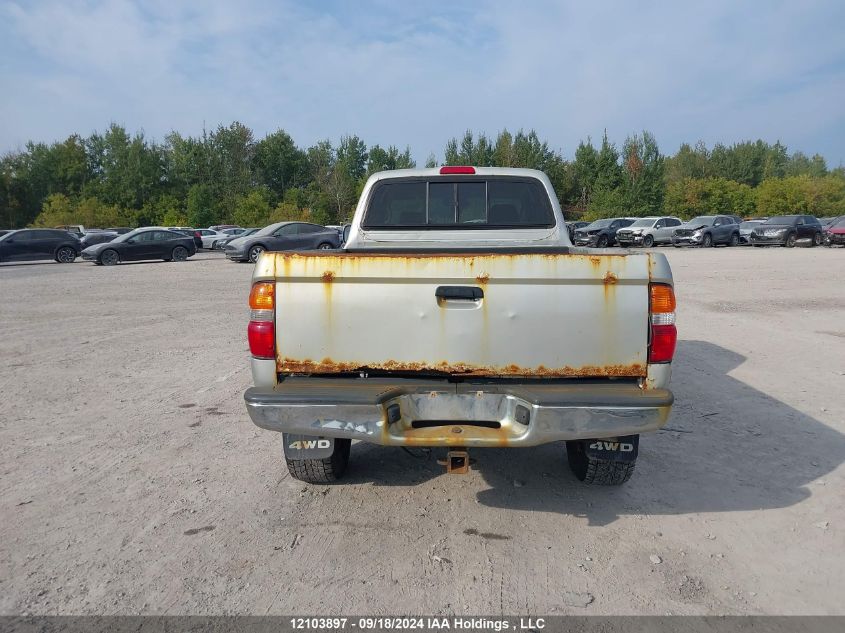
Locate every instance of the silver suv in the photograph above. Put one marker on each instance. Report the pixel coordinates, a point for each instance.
(648, 231)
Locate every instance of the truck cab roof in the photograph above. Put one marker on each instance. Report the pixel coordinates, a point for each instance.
(457, 206)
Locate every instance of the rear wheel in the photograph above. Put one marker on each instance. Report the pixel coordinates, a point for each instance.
(255, 252)
(325, 246)
(707, 242)
(109, 257)
(65, 255)
(602, 242)
(321, 471)
(817, 240)
(734, 240)
(179, 254)
(592, 470)
(648, 241)
(790, 240)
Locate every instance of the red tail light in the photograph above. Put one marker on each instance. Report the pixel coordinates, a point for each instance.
(457, 169)
(262, 339)
(663, 340)
(664, 334)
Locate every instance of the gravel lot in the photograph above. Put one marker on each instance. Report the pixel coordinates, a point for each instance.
(133, 481)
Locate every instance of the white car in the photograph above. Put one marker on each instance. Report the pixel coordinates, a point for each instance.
(210, 237)
(648, 231)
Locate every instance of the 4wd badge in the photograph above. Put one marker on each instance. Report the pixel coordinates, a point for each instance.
(620, 449)
(304, 445)
(307, 446)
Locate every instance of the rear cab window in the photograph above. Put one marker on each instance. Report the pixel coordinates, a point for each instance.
(468, 203)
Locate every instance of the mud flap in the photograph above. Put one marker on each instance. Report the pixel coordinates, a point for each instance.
(299, 447)
(618, 449)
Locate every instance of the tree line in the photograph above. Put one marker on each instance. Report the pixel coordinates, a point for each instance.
(228, 176)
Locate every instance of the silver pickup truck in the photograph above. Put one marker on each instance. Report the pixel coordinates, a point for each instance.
(458, 315)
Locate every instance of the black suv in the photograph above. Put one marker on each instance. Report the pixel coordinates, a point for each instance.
(33, 244)
(601, 233)
(785, 230)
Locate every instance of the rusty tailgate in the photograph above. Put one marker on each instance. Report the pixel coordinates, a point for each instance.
(542, 314)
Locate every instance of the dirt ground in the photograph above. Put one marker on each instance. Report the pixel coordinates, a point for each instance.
(133, 481)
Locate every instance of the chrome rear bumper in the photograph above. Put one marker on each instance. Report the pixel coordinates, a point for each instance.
(408, 412)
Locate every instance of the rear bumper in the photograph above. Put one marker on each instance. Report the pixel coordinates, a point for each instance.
(408, 412)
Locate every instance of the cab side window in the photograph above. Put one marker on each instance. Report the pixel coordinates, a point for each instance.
(287, 230)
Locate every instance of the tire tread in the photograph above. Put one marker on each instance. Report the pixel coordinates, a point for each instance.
(321, 471)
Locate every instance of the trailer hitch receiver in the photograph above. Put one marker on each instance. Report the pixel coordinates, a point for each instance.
(456, 462)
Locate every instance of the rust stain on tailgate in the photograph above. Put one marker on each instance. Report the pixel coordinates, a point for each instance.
(328, 366)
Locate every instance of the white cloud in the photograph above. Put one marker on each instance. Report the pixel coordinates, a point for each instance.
(401, 74)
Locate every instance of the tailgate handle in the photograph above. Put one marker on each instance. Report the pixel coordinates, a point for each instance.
(459, 293)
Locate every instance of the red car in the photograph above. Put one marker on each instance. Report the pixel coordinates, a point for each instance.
(834, 233)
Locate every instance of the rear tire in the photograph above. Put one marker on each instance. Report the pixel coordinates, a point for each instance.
(179, 254)
(321, 471)
(600, 472)
(734, 240)
(65, 255)
(817, 240)
(109, 257)
(325, 246)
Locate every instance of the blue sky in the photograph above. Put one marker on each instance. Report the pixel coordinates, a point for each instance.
(419, 73)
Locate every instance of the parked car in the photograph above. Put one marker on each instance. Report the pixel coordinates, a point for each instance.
(571, 227)
(210, 237)
(282, 236)
(141, 244)
(834, 233)
(786, 230)
(648, 231)
(745, 230)
(707, 231)
(220, 227)
(4, 231)
(76, 229)
(432, 333)
(194, 234)
(120, 230)
(35, 244)
(96, 236)
(221, 244)
(601, 233)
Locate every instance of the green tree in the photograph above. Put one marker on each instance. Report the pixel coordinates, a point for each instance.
(643, 186)
(200, 206)
(380, 159)
(56, 211)
(252, 209)
(279, 164)
(351, 157)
